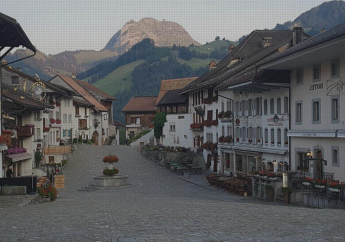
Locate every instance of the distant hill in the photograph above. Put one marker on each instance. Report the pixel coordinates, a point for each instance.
(163, 33)
(324, 16)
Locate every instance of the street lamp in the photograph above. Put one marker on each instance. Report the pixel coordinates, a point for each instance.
(275, 119)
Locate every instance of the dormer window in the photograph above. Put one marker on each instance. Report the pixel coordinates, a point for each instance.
(266, 41)
(15, 80)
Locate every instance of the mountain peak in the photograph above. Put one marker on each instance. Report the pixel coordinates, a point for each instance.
(163, 33)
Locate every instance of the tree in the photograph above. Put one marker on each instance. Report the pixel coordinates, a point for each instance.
(217, 38)
(158, 121)
(223, 38)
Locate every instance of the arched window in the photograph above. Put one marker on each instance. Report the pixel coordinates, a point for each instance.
(265, 107)
(279, 106)
(266, 136)
(286, 105)
(279, 137)
(272, 136)
(286, 140)
(272, 106)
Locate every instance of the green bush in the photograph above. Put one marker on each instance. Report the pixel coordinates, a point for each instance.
(80, 140)
(269, 188)
(287, 189)
(89, 142)
(158, 121)
(75, 140)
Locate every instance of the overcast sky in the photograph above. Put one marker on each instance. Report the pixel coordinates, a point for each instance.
(54, 26)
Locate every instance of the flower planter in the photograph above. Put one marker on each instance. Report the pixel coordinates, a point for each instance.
(320, 186)
(334, 189)
(306, 183)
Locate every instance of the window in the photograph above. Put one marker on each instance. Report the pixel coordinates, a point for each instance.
(209, 115)
(335, 156)
(76, 111)
(244, 135)
(223, 131)
(272, 136)
(64, 118)
(51, 115)
(286, 105)
(69, 132)
(316, 72)
(272, 106)
(38, 133)
(82, 123)
(258, 133)
(37, 115)
(299, 76)
(298, 112)
(250, 101)
(335, 68)
(258, 106)
(209, 137)
(316, 111)
(335, 109)
(279, 106)
(266, 136)
(250, 133)
(228, 106)
(286, 140)
(85, 111)
(58, 116)
(238, 132)
(236, 108)
(64, 133)
(222, 106)
(172, 128)
(66, 102)
(137, 121)
(265, 106)
(279, 137)
(70, 118)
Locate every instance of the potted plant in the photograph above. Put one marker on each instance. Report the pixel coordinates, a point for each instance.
(320, 183)
(221, 114)
(237, 139)
(52, 121)
(306, 181)
(287, 194)
(227, 114)
(110, 159)
(270, 193)
(58, 121)
(45, 129)
(221, 139)
(215, 122)
(227, 139)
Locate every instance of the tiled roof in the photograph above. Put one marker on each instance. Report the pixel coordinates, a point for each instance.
(79, 101)
(94, 90)
(118, 124)
(172, 97)
(250, 45)
(333, 33)
(173, 84)
(84, 93)
(141, 104)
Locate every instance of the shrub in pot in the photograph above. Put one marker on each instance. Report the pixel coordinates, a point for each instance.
(287, 194)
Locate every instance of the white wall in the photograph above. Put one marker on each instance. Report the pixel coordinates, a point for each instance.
(182, 130)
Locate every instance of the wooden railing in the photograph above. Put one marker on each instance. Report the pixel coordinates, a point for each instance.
(25, 131)
(55, 149)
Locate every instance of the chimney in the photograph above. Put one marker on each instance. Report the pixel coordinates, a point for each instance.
(73, 75)
(266, 41)
(297, 35)
(231, 47)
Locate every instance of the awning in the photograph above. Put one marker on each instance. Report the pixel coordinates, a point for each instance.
(312, 133)
(19, 157)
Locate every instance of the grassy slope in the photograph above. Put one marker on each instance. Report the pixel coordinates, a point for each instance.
(113, 83)
(211, 46)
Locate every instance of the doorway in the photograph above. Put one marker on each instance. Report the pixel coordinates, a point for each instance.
(95, 137)
(215, 162)
(318, 164)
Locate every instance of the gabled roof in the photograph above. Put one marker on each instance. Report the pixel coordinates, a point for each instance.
(250, 45)
(12, 35)
(50, 87)
(141, 104)
(173, 84)
(331, 34)
(28, 101)
(73, 84)
(172, 97)
(95, 92)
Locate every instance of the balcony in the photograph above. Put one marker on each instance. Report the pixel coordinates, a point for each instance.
(57, 149)
(25, 131)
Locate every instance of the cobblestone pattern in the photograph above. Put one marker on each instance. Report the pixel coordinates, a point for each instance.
(162, 206)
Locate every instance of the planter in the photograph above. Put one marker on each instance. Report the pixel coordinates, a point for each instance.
(320, 186)
(110, 166)
(110, 181)
(334, 189)
(270, 195)
(306, 183)
(287, 197)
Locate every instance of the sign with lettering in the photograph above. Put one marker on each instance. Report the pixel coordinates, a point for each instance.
(316, 86)
(59, 181)
(335, 86)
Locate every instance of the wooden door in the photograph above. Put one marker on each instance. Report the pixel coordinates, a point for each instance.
(215, 162)
(95, 137)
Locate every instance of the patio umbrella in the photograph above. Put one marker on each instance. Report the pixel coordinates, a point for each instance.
(178, 140)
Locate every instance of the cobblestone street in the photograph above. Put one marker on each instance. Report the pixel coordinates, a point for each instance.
(161, 206)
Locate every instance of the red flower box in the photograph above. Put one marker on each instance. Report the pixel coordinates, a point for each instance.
(52, 121)
(58, 121)
(214, 122)
(58, 104)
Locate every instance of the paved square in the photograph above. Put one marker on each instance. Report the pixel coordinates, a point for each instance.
(162, 206)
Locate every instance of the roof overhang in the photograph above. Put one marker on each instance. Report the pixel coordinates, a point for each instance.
(19, 157)
(316, 54)
(12, 35)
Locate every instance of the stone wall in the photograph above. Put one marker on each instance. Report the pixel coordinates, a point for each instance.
(162, 156)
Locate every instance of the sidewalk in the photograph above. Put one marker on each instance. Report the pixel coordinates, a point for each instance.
(17, 200)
